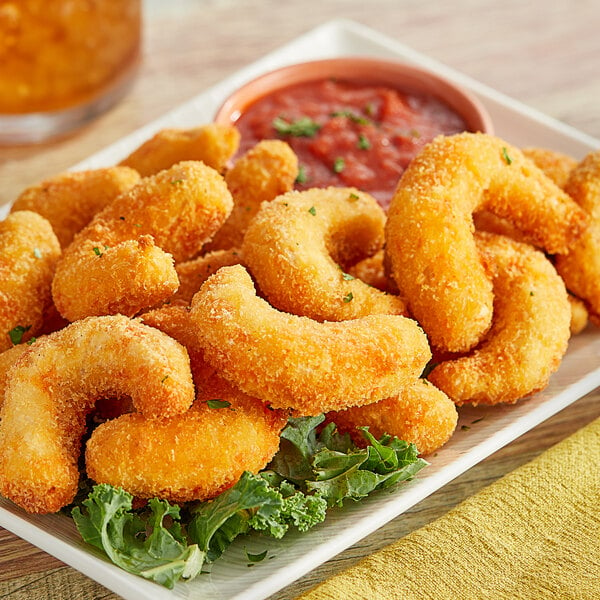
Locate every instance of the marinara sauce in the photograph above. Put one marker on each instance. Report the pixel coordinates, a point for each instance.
(349, 134)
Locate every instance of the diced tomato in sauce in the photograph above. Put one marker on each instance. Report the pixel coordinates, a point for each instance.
(356, 135)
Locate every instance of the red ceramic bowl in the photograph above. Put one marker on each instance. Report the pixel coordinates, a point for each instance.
(398, 75)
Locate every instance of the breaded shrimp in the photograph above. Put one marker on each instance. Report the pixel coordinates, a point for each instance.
(212, 144)
(298, 246)
(57, 381)
(70, 200)
(263, 173)
(429, 232)
(295, 362)
(122, 262)
(420, 414)
(193, 273)
(580, 266)
(529, 334)
(29, 251)
(192, 456)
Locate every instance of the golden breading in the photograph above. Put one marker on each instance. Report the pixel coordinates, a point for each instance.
(57, 381)
(122, 262)
(429, 232)
(529, 334)
(298, 363)
(29, 251)
(70, 200)
(263, 173)
(420, 414)
(298, 246)
(212, 144)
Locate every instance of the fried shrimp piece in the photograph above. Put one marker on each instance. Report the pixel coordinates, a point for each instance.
(295, 362)
(529, 333)
(29, 251)
(298, 246)
(193, 456)
(56, 383)
(372, 271)
(556, 165)
(429, 232)
(193, 273)
(70, 200)
(266, 171)
(122, 262)
(420, 414)
(212, 144)
(579, 315)
(580, 266)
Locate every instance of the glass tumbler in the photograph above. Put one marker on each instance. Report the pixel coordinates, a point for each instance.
(62, 63)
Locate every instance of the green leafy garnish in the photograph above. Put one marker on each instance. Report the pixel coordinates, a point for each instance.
(37, 253)
(143, 546)
(505, 155)
(218, 403)
(302, 176)
(16, 333)
(363, 142)
(352, 116)
(312, 210)
(338, 165)
(348, 297)
(302, 127)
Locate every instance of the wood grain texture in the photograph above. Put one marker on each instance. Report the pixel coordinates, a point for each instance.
(542, 53)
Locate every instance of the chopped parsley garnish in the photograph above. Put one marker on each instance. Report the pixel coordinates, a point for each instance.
(302, 127)
(301, 177)
(97, 251)
(505, 155)
(31, 341)
(338, 165)
(164, 378)
(347, 277)
(348, 297)
(16, 334)
(312, 210)
(352, 116)
(353, 196)
(363, 142)
(37, 253)
(176, 181)
(218, 403)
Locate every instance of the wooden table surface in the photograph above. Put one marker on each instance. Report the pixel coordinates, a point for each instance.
(543, 53)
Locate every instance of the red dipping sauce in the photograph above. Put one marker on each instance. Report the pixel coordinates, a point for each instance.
(349, 134)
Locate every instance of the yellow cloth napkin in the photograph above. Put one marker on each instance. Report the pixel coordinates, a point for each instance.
(534, 534)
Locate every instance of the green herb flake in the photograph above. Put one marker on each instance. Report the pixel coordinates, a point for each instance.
(176, 181)
(312, 210)
(465, 428)
(506, 156)
(255, 558)
(363, 142)
(353, 196)
(164, 378)
(370, 109)
(31, 341)
(302, 177)
(97, 251)
(37, 253)
(477, 420)
(351, 115)
(347, 276)
(348, 297)
(532, 293)
(338, 165)
(16, 334)
(218, 403)
(302, 127)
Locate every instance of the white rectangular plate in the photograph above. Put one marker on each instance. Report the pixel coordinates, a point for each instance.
(295, 555)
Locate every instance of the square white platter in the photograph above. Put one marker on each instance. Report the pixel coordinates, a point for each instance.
(290, 558)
